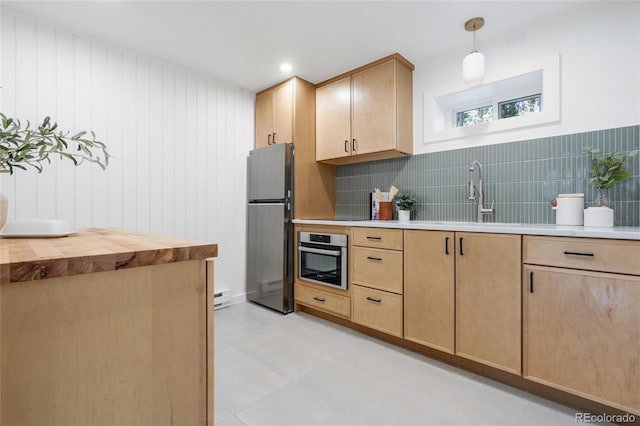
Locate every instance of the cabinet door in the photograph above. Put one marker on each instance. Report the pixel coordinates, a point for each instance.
(377, 309)
(377, 268)
(325, 301)
(264, 119)
(283, 114)
(429, 288)
(333, 120)
(581, 333)
(374, 109)
(488, 277)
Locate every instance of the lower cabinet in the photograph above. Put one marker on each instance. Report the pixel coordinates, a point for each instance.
(377, 309)
(488, 299)
(323, 300)
(581, 333)
(429, 289)
(377, 268)
(562, 312)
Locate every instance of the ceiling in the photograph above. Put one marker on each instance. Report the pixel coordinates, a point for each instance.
(244, 42)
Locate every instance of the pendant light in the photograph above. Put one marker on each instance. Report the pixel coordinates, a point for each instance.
(473, 63)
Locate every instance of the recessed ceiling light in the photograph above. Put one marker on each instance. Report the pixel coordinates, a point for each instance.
(286, 67)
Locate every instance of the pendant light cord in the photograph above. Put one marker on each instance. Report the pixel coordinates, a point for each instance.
(474, 40)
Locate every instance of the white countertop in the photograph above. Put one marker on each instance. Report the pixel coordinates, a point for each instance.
(618, 232)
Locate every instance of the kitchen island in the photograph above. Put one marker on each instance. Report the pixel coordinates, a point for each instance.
(106, 327)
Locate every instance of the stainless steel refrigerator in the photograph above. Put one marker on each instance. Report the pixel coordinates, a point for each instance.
(269, 227)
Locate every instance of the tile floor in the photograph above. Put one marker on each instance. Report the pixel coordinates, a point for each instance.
(272, 369)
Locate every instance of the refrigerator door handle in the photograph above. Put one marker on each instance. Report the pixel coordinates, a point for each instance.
(285, 264)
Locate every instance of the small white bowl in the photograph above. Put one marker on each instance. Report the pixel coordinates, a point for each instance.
(36, 228)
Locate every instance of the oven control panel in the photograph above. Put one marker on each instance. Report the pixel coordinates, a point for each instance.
(320, 238)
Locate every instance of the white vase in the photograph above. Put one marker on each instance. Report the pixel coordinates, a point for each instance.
(599, 217)
(4, 206)
(404, 215)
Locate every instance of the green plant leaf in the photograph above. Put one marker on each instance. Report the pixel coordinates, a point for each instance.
(20, 146)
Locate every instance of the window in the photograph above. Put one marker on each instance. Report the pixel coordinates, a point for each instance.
(474, 116)
(520, 106)
(506, 109)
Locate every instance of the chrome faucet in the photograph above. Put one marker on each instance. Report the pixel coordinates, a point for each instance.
(476, 190)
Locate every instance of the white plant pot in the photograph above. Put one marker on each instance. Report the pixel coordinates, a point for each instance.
(404, 215)
(598, 217)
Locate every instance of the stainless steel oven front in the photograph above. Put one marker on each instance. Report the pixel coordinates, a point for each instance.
(322, 259)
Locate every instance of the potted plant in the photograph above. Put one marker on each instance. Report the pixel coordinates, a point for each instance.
(606, 172)
(405, 203)
(22, 147)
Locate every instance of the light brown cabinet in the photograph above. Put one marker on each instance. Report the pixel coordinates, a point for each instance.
(378, 268)
(367, 113)
(377, 284)
(274, 115)
(332, 303)
(488, 299)
(378, 238)
(100, 342)
(379, 310)
(429, 288)
(581, 329)
(333, 119)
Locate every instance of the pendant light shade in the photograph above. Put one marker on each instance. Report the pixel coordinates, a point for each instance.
(473, 64)
(473, 67)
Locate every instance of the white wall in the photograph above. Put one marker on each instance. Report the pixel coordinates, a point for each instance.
(599, 45)
(179, 141)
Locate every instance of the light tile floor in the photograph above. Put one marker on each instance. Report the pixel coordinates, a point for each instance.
(296, 369)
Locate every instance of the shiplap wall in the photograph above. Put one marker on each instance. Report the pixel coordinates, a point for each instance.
(179, 140)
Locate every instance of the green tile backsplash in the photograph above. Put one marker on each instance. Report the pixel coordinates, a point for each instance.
(522, 177)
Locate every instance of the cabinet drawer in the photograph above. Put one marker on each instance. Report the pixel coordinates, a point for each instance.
(583, 253)
(377, 309)
(381, 269)
(322, 300)
(378, 237)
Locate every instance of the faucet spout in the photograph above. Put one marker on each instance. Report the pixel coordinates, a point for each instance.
(473, 166)
(476, 192)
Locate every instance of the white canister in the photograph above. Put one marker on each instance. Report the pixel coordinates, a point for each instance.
(569, 209)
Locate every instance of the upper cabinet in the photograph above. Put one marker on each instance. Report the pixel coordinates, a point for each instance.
(274, 115)
(367, 113)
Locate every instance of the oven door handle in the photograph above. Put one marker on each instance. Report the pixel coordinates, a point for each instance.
(334, 253)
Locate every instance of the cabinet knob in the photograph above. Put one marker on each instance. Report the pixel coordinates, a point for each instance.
(346, 146)
(269, 139)
(274, 138)
(354, 145)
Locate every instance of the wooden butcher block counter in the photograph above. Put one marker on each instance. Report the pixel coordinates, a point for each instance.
(106, 327)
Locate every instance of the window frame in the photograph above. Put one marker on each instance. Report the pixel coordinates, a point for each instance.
(541, 75)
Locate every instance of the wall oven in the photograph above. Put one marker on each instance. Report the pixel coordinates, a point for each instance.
(322, 259)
